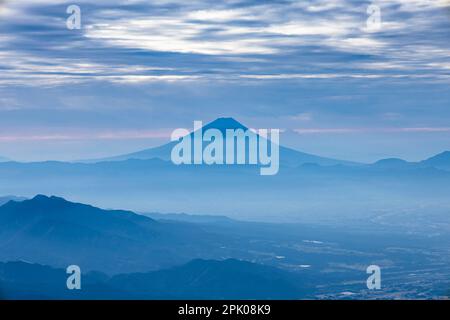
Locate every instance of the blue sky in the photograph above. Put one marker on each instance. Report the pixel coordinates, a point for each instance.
(138, 69)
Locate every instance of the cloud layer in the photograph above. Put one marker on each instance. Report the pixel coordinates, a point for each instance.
(144, 41)
(137, 67)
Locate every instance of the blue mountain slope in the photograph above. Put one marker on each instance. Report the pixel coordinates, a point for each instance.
(53, 231)
(208, 279)
(288, 157)
(161, 186)
(188, 217)
(440, 161)
(198, 279)
(22, 280)
(6, 199)
(392, 163)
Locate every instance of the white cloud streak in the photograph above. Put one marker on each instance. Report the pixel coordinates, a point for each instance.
(226, 31)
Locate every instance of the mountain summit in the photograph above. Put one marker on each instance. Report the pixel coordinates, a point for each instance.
(223, 124)
(288, 157)
(54, 231)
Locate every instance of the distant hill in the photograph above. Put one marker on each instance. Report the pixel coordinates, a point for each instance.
(392, 163)
(6, 199)
(239, 192)
(23, 280)
(3, 159)
(53, 231)
(207, 279)
(440, 161)
(289, 157)
(198, 279)
(191, 218)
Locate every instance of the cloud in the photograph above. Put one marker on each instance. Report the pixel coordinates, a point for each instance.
(108, 135)
(305, 116)
(159, 63)
(229, 41)
(303, 131)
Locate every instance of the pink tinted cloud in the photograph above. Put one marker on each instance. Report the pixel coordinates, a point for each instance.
(109, 135)
(369, 130)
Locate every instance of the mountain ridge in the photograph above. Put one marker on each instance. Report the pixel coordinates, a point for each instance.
(196, 279)
(75, 233)
(288, 156)
(440, 161)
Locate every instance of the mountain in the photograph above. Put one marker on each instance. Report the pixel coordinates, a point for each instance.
(53, 231)
(198, 279)
(22, 280)
(440, 161)
(191, 218)
(392, 163)
(6, 199)
(3, 159)
(208, 279)
(295, 193)
(288, 157)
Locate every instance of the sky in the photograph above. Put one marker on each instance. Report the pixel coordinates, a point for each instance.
(335, 84)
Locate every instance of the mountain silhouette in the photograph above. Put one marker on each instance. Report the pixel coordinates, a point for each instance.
(211, 279)
(6, 199)
(222, 124)
(288, 156)
(440, 161)
(198, 279)
(23, 280)
(156, 185)
(54, 231)
(392, 163)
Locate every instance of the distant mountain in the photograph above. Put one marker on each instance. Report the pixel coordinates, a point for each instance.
(191, 218)
(392, 163)
(198, 279)
(6, 199)
(440, 161)
(53, 231)
(240, 192)
(3, 159)
(206, 279)
(289, 157)
(22, 280)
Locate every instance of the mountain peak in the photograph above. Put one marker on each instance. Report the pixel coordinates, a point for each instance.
(42, 202)
(289, 156)
(40, 197)
(44, 198)
(225, 123)
(391, 161)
